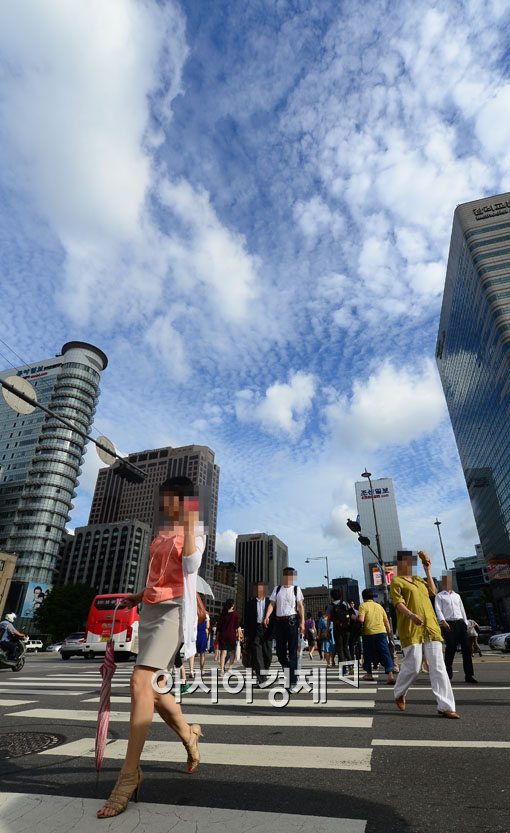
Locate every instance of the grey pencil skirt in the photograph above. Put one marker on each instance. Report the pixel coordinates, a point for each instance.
(159, 634)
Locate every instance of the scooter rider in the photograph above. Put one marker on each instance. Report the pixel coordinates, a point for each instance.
(8, 633)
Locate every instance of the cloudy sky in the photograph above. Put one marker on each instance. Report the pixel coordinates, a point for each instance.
(247, 206)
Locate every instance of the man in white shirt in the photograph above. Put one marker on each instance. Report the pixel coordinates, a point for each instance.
(453, 620)
(290, 620)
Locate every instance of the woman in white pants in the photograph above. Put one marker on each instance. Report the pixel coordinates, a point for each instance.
(420, 634)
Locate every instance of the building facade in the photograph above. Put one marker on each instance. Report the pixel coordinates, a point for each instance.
(387, 522)
(228, 584)
(473, 583)
(7, 567)
(472, 355)
(116, 499)
(316, 599)
(40, 463)
(260, 557)
(349, 588)
(111, 558)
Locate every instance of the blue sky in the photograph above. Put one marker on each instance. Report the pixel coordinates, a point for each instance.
(248, 208)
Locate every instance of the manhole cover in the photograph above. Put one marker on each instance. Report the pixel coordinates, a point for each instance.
(18, 744)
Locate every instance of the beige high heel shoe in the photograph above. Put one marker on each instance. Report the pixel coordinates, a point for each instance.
(127, 787)
(191, 746)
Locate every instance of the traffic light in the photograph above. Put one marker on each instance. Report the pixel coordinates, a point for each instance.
(353, 526)
(364, 541)
(127, 471)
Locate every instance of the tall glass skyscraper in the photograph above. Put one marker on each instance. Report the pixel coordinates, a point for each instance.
(473, 359)
(40, 465)
(387, 522)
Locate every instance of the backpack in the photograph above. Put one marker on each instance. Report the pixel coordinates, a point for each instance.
(339, 615)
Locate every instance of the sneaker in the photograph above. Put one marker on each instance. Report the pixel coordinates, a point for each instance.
(184, 688)
(471, 680)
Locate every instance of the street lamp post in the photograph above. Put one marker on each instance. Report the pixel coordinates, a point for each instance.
(321, 558)
(438, 524)
(382, 567)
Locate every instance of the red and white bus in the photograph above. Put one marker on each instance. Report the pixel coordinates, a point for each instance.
(102, 615)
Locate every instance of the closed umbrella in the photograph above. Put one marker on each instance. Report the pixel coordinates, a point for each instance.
(107, 670)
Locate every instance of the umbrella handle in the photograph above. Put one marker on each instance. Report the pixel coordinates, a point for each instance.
(114, 615)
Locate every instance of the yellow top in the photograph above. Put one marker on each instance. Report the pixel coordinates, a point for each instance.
(416, 597)
(374, 617)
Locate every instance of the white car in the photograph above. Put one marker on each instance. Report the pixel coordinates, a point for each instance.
(33, 645)
(500, 642)
(54, 647)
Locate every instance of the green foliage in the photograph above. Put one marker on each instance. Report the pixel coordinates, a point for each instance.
(64, 610)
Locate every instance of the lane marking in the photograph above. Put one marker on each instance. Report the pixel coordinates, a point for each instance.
(231, 754)
(34, 691)
(15, 703)
(301, 704)
(460, 744)
(35, 812)
(295, 721)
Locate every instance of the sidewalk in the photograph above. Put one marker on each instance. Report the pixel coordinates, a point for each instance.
(42, 813)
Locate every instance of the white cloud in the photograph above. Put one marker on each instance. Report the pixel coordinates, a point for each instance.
(226, 545)
(335, 527)
(316, 218)
(284, 406)
(393, 406)
(207, 252)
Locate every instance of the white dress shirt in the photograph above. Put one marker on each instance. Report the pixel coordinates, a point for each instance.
(449, 606)
(261, 606)
(286, 600)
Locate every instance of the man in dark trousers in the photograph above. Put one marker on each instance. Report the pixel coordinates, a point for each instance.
(453, 620)
(339, 613)
(287, 599)
(259, 638)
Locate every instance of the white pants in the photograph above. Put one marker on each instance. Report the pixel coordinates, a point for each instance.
(410, 668)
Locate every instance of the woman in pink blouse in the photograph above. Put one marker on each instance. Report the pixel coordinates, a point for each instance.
(168, 619)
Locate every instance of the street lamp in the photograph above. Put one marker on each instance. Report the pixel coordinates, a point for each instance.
(368, 475)
(438, 524)
(321, 558)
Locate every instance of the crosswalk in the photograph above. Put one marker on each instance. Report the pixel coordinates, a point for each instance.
(346, 709)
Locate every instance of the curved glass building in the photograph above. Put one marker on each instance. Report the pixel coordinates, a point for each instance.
(474, 364)
(40, 463)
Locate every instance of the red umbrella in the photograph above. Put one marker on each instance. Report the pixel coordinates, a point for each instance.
(107, 670)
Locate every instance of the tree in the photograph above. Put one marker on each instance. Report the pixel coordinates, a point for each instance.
(64, 610)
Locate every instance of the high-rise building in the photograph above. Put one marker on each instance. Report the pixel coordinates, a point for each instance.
(349, 588)
(387, 522)
(111, 558)
(472, 354)
(7, 566)
(40, 462)
(315, 600)
(117, 500)
(261, 557)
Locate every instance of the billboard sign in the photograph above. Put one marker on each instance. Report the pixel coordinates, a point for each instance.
(34, 597)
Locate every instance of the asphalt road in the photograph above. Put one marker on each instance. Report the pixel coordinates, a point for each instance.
(356, 757)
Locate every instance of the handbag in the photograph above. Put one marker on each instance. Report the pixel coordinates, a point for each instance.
(201, 610)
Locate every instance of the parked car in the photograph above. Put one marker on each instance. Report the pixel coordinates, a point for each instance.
(55, 646)
(33, 645)
(72, 645)
(500, 642)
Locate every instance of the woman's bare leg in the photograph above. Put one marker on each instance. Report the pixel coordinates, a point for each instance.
(140, 719)
(202, 663)
(223, 657)
(191, 666)
(171, 713)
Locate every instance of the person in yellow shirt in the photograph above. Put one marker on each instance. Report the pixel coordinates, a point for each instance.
(376, 630)
(420, 634)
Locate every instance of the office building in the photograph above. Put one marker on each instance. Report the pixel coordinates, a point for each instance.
(111, 558)
(471, 578)
(228, 584)
(316, 599)
(117, 499)
(387, 522)
(472, 355)
(40, 463)
(349, 588)
(7, 567)
(261, 557)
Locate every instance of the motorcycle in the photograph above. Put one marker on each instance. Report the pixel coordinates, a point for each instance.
(17, 663)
